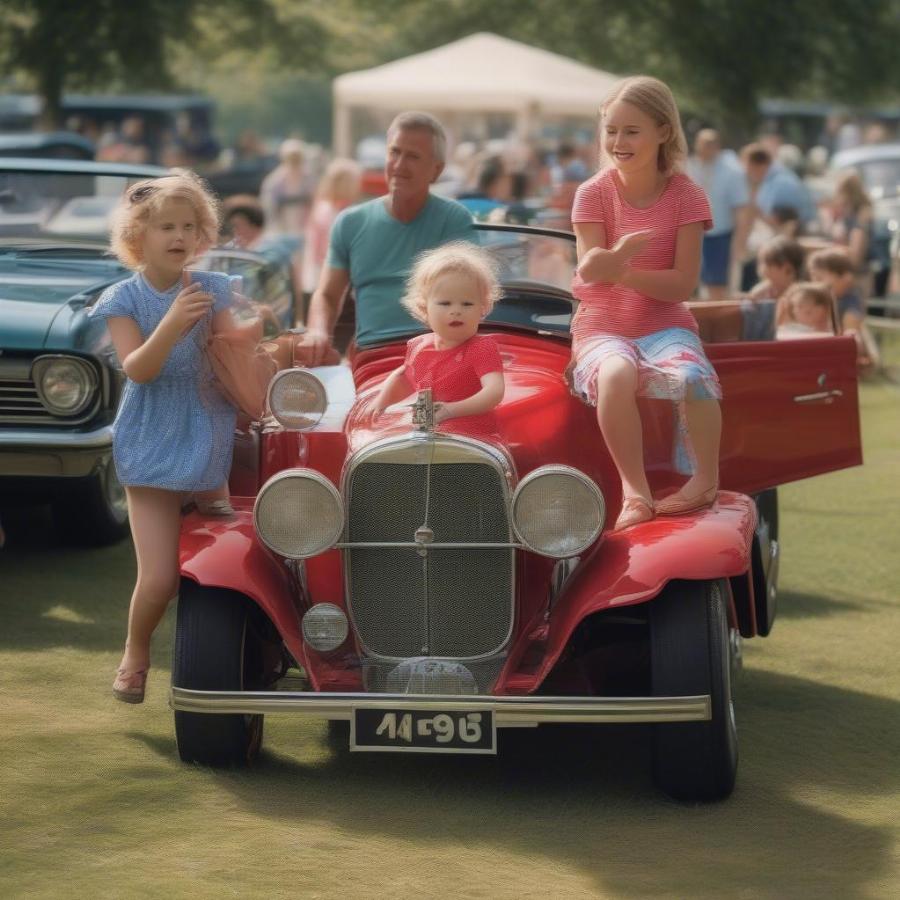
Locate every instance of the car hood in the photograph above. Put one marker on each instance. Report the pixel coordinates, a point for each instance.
(34, 293)
(538, 421)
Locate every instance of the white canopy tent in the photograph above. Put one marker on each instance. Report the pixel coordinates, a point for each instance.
(481, 73)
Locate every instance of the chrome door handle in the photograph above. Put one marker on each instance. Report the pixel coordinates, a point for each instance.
(819, 396)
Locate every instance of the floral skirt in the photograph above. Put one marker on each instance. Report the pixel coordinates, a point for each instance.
(671, 366)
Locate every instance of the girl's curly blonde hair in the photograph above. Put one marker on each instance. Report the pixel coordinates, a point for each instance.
(653, 98)
(460, 257)
(145, 198)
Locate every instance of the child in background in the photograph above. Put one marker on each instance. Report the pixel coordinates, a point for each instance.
(174, 431)
(805, 311)
(451, 289)
(639, 225)
(834, 268)
(779, 264)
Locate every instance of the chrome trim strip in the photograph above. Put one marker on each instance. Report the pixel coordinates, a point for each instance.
(403, 545)
(101, 439)
(826, 396)
(508, 712)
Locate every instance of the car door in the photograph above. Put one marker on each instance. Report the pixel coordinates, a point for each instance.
(790, 410)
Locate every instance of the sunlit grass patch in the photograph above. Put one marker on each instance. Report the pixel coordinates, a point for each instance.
(95, 803)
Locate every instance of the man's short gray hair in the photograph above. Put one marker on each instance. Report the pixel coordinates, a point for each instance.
(420, 121)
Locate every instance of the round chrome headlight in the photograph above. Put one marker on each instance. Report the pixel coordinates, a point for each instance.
(297, 399)
(325, 627)
(298, 513)
(558, 511)
(66, 385)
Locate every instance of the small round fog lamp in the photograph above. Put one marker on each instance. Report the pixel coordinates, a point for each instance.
(325, 627)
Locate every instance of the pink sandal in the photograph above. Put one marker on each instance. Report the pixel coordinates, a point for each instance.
(129, 686)
(634, 511)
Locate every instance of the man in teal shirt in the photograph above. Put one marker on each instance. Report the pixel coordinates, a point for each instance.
(373, 245)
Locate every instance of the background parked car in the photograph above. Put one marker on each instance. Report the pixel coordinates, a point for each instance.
(59, 378)
(49, 145)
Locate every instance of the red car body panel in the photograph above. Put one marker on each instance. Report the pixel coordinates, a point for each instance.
(225, 552)
(626, 569)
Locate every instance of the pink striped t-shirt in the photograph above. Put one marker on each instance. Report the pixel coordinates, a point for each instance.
(611, 308)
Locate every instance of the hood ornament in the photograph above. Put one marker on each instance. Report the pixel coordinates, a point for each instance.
(423, 412)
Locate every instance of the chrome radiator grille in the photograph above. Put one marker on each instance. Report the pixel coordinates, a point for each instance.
(19, 401)
(447, 603)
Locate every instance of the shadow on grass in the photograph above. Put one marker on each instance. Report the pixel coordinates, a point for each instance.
(582, 797)
(56, 594)
(796, 605)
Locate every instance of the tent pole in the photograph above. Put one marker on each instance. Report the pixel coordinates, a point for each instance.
(341, 138)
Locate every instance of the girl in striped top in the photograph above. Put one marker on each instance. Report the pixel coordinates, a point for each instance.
(639, 224)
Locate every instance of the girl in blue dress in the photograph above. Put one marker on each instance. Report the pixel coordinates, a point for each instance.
(174, 432)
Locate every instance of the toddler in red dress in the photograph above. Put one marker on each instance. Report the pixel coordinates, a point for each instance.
(451, 289)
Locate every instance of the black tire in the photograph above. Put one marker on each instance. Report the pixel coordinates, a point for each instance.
(767, 511)
(94, 512)
(216, 649)
(765, 561)
(690, 655)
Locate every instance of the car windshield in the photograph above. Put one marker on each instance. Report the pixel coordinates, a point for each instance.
(58, 204)
(535, 270)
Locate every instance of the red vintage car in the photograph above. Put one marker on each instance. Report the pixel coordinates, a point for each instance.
(433, 587)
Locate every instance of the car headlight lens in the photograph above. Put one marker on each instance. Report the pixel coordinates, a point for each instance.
(297, 399)
(66, 385)
(298, 514)
(558, 511)
(325, 627)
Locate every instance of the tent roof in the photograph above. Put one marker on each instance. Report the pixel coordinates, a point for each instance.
(482, 73)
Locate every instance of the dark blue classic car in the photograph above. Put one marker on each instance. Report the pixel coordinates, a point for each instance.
(59, 378)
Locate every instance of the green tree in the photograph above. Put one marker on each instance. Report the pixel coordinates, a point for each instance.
(60, 45)
(720, 56)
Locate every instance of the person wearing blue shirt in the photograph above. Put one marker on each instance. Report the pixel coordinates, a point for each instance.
(373, 245)
(774, 185)
(720, 175)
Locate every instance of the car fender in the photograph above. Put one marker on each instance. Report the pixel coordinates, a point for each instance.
(224, 552)
(632, 566)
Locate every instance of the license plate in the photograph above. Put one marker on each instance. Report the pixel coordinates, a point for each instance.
(423, 731)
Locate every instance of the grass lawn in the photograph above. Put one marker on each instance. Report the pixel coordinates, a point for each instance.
(94, 802)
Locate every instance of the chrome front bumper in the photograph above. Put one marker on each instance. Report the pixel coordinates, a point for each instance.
(43, 453)
(509, 712)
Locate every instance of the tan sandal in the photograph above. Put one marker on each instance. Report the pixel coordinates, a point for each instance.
(129, 687)
(677, 504)
(634, 511)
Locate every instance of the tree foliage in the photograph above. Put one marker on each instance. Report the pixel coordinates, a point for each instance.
(60, 45)
(720, 56)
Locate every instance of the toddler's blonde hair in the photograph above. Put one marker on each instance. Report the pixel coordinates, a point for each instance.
(144, 198)
(459, 257)
(653, 98)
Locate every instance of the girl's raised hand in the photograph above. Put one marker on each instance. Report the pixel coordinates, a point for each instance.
(190, 305)
(631, 244)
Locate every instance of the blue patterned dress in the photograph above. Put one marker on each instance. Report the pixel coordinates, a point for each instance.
(177, 431)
